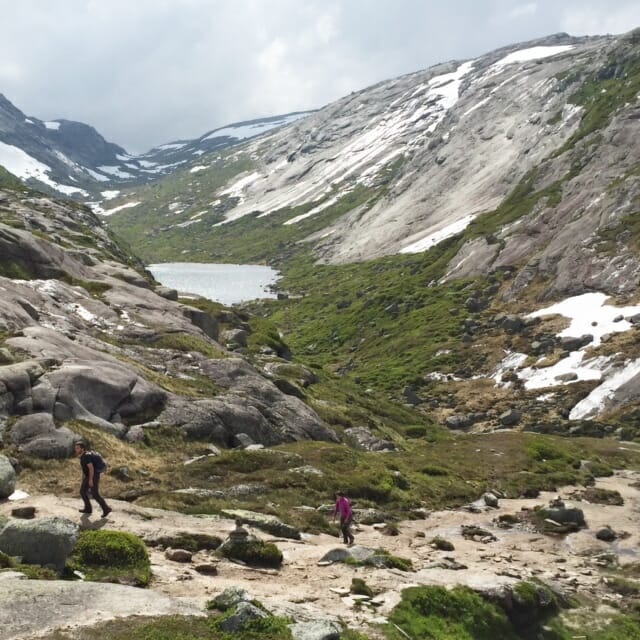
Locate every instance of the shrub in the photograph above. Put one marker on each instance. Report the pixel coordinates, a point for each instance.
(441, 544)
(258, 553)
(360, 587)
(189, 541)
(458, 614)
(112, 556)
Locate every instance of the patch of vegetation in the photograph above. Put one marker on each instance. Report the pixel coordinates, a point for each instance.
(177, 628)
(623, 586)
(95, 288)
(439, 614)
(189, 541)
(15, 271)
(9, 181)
(597, 495)
(111, 556)
(187, 342)
(603, 92)
(32, 571)
(360, 587)
(270, 627)
(255, 553)
(441, 544)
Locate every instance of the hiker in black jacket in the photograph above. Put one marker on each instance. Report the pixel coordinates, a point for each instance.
(90, 480)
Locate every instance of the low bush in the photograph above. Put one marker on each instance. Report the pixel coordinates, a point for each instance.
(256, 553)
(112, 556)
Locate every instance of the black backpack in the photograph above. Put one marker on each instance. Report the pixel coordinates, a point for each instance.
(98, 462)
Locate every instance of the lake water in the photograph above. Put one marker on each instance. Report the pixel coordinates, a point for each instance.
(225, 283)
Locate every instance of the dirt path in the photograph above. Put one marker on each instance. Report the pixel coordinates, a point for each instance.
(306, 590)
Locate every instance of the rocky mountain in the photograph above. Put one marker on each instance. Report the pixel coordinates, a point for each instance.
(516, 173)
(87, 335)
(70, 158)
(531, 152)
(456, 333)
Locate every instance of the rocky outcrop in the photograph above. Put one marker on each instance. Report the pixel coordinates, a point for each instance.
(250, 405)
(36, 434)
(34, 606)
(89, 339)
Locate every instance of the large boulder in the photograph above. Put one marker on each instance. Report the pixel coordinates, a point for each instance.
(251, 405)
(47, 541)
(7, 478)
(104, 393)
(37, 435)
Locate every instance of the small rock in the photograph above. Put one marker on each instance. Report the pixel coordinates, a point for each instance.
(178, 555)
(26, 513)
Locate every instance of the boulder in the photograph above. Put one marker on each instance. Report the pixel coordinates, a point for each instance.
(230, 597)
(244, 614)
(251, 404)
(100, 391)
(510, 418)
(364, 439)
(203, 320)
(316, 630)
(36, 434)
(46, 541)
(7, 478)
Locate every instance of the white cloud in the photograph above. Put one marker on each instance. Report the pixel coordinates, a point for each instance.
(523, 10)
(151, 71)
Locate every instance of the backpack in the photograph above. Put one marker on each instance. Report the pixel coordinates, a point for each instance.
(98, 462)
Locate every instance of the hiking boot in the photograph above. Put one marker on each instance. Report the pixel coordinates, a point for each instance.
(85, 511)
(106, 512)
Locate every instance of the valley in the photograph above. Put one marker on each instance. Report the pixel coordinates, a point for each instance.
(454, 341)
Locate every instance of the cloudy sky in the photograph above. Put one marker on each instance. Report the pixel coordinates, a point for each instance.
(145, 72)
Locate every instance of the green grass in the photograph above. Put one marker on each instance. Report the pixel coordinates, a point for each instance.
(467, 467)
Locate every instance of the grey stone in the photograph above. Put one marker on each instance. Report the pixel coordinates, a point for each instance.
(7, 477)
(46, 541)
(316, 630)
(178, 555)
(244, 614)
(230, 597)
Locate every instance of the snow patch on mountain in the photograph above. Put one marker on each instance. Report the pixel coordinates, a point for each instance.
(589, 316)
(22, 165)
(247, 130)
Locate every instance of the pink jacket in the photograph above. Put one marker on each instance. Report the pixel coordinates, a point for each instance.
(343, 507)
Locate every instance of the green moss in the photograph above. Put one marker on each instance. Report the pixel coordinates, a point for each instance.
(112, 556)
(258, 553)
(189, 541)
(438, 614)
(187, 342)
(360, 587)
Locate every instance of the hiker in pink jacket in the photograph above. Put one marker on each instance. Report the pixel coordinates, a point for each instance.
(343, 507)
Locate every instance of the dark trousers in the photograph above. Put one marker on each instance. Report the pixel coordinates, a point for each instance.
(86, 493)
(345, 527)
